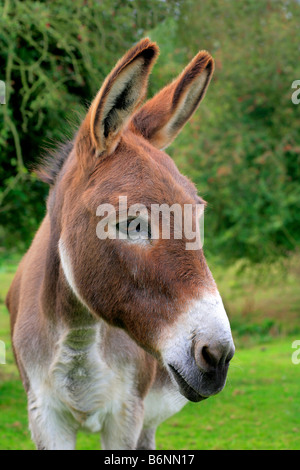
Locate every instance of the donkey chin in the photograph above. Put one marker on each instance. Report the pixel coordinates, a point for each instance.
(198, 348)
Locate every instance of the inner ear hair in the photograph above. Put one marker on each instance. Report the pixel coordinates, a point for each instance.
(188, 95)
(164, 115)
(121, 93)
(123, 97)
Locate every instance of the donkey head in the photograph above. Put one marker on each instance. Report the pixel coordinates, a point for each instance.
(162, 294)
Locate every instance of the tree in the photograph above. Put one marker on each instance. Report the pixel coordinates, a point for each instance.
(54, 57)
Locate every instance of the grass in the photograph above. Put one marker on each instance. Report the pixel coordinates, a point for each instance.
(261, 304)
(259, 407)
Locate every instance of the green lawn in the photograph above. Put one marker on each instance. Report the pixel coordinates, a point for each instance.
(258, 409)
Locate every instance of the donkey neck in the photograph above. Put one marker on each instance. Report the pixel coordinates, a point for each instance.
(59, 301)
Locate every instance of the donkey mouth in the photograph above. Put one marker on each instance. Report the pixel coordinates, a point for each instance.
(185, 388)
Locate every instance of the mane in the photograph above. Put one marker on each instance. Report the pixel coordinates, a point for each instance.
(51, 164)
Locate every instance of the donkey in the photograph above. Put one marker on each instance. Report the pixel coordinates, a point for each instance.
(116, 335)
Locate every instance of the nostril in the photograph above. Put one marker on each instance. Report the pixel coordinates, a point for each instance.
(212, 356)
(209, 357)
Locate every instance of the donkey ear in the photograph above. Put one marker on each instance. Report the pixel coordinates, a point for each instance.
(121, 93)
(163, 116)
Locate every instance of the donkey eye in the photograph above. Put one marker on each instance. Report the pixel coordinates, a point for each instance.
(135, 229)
(123, 226)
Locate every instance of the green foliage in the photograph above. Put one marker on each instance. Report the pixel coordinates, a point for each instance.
(54, 57)
(242, 148)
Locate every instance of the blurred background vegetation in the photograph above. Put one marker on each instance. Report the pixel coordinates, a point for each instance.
(241, 148)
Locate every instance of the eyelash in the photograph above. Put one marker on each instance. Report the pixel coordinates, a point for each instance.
(118, 226)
